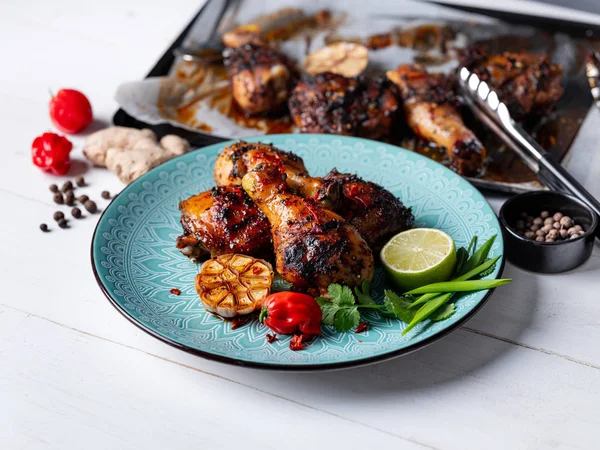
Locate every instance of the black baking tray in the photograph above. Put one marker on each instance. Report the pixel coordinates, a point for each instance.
(199, 139)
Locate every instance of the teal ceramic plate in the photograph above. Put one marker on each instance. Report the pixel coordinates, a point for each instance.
(136, 262)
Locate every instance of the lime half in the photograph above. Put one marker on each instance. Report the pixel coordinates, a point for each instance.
(418, 257)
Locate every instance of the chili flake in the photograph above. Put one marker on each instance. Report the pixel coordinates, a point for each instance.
(238, 321)
(297, 342)
(362, 326)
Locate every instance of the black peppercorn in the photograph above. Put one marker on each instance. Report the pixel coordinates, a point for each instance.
(80, 181)
(70, 198)
(67, 186)
(83, 198)
(53, 188)
(105, 195)
(58, 215)
(58, 198)
(90, 206)
(63, 223)
(44, 227)
(76, 212)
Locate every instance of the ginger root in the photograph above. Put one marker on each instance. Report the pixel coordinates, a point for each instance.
(129, 152)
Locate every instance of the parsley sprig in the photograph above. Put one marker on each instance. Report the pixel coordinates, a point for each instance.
(343, 307)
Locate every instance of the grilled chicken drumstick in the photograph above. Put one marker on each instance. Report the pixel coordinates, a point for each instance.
(375, 212)
(261, 78)
(223, 220)
(242, 157)
(314, 247)
(431, 116)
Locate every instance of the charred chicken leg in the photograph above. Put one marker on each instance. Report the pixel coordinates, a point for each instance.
(261, 78)
(314, 247)
(374, 211)
(243, 157)
(529, 84)
(431, 116)
(332, 103)
(223, 220)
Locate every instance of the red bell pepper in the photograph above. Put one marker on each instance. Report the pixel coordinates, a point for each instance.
(291, 312)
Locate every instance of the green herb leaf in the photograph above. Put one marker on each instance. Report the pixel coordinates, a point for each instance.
(443, 313)
(462, 256)
(346, 319)
(341, 295)
(329, 309)
(363, 294)
(479, 255)
(426, 310)
(460, 286)
(398, 305)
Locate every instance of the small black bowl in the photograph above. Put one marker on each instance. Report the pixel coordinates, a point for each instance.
(551, 257)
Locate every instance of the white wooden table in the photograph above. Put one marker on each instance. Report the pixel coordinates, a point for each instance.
(74, 374)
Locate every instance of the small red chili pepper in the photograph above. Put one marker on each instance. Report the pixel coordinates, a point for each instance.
(50, 152)
(70, 111)
(291, 312)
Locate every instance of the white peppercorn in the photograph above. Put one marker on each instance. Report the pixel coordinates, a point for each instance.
(556, 225)
(540, 233)
(544, 214)
(538, 221)
(540, 239)
(548, 221)
(529, 234)
(566, 222)
(552, 234)
(534, 227)
(563, 233)
(557, 216)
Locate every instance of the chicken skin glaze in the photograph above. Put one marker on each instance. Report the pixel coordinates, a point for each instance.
(314, 247)
(374, 211)
(334, 104)
(223, 220)
(431, 116)
(261, 78)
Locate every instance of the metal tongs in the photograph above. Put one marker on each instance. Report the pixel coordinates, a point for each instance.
(488, 108)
